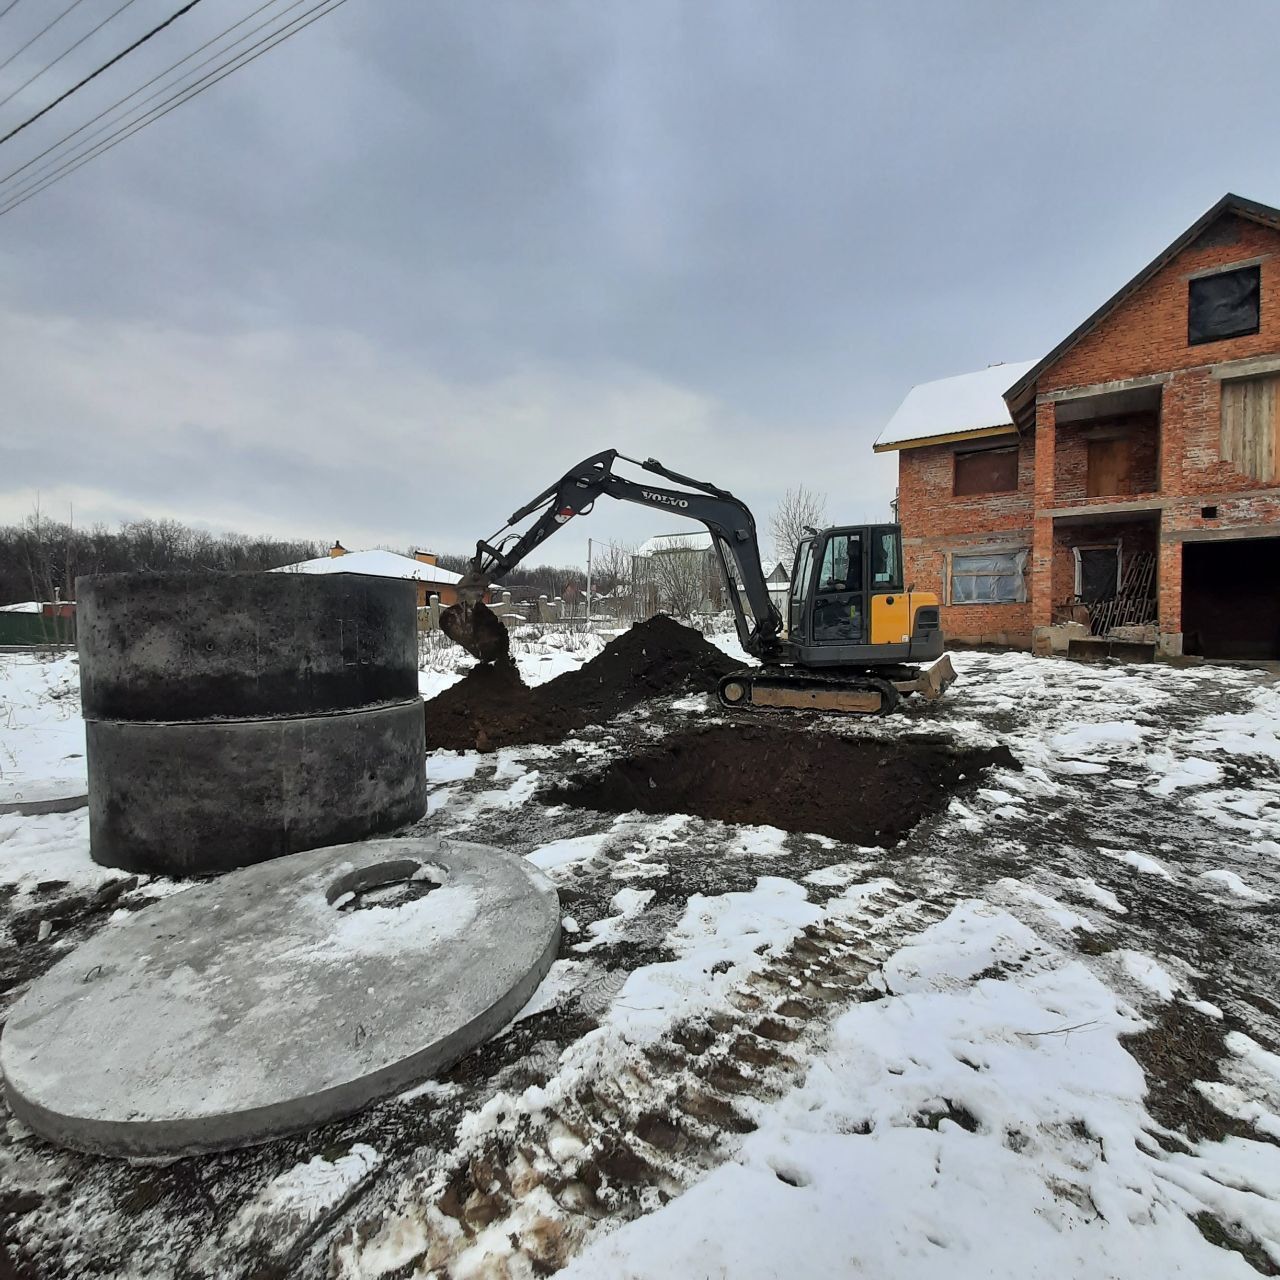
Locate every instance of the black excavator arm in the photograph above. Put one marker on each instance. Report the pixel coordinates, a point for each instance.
(730, 522)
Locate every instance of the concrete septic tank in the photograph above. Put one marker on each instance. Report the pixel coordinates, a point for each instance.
(278, 997)
(196, 646)
(232, 718)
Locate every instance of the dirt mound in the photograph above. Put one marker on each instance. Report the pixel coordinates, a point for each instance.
(492, 707)
(862, 790)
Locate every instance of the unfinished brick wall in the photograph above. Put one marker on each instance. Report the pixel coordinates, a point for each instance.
(1147, 333)
(935, 523)
(1071, 461)
(1132, 536)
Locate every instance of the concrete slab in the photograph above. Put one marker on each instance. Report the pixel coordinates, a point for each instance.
(36, 796)
(278, 997)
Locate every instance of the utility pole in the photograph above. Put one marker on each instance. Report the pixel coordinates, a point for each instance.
(588, 579)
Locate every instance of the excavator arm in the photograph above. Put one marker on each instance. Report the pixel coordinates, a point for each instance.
(730, 522)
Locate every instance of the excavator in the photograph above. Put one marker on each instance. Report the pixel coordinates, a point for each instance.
(855, 632)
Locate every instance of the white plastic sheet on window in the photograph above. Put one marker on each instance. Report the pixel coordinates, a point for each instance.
(994, 578)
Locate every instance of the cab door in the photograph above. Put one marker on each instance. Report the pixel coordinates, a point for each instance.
(801, 575)
(839, 598)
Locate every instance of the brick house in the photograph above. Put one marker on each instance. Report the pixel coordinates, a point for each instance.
(1130, 476)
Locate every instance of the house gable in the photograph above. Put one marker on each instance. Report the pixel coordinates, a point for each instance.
(1141, 331)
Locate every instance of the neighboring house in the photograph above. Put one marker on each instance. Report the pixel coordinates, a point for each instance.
(1139, 459)
(779, 583)
(421, 567)
(678, 572)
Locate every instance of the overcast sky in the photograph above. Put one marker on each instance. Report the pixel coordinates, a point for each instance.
(395, 276)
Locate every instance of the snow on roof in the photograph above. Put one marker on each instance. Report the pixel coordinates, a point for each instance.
(694, 540)
(381, 564)
(27, 606)
(953, 406)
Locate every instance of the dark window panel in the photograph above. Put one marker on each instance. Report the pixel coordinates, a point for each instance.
(1225, 305)
(987, 471)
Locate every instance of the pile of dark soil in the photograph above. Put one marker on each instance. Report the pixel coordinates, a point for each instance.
(492, 707)
(862, 790)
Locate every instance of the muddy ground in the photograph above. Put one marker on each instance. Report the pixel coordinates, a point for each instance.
(491, 707)
(687, 1098)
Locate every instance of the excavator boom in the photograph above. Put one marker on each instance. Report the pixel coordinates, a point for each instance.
(472, 625)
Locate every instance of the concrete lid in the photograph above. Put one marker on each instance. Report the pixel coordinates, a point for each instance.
(273, 1000)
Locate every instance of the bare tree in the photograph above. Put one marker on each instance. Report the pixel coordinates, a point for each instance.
(799, 508)
(611, 569)
(680, 574)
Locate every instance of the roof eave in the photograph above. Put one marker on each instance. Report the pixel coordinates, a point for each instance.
(923, 442)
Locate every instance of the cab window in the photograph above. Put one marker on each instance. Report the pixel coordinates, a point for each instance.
(841, 563)
(886, 566)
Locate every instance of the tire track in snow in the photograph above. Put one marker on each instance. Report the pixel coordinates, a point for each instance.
(524, 1199)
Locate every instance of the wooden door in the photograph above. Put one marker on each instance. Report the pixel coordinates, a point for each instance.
(1109, 468)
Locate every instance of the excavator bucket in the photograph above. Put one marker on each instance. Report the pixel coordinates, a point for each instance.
(473, 625)
(931, 683)
(477, 629)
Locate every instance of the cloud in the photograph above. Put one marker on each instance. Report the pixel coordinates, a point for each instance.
(324, 434)
(391, 279)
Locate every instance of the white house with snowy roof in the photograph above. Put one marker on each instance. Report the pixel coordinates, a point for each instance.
(421, 567)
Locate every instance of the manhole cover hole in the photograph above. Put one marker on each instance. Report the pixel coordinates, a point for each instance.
(385, 884)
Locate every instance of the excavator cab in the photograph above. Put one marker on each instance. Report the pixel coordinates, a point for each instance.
(849, 603)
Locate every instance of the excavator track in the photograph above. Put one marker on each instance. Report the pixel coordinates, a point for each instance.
(790, 689)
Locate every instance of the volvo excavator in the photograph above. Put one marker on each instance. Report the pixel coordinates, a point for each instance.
(855, 631)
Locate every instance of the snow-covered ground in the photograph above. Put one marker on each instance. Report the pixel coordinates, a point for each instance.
(1036, 1037)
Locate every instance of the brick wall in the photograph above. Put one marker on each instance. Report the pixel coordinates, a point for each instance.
(1133, 536)
(1071, 461)
(1147, 333)
(935, 522)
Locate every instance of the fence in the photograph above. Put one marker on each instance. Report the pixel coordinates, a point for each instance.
(38, 628)
(511, 613)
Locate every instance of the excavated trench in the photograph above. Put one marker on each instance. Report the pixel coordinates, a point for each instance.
(860, 790)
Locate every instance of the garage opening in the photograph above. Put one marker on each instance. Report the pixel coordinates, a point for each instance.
(1231, 599)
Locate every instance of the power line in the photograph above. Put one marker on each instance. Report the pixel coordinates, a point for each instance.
(137, 118)
(183, 95)
(93, 75)
(48, 26)
(7, 7)
(159, 76)
(64, 53)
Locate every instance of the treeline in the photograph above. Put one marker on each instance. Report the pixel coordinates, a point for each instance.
(41, 559)
(548, 579)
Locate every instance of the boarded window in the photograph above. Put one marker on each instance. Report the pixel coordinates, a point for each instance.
(1251, 427)
(998, 577)
(986, 471)
(1110, 466)
(1223, 305)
